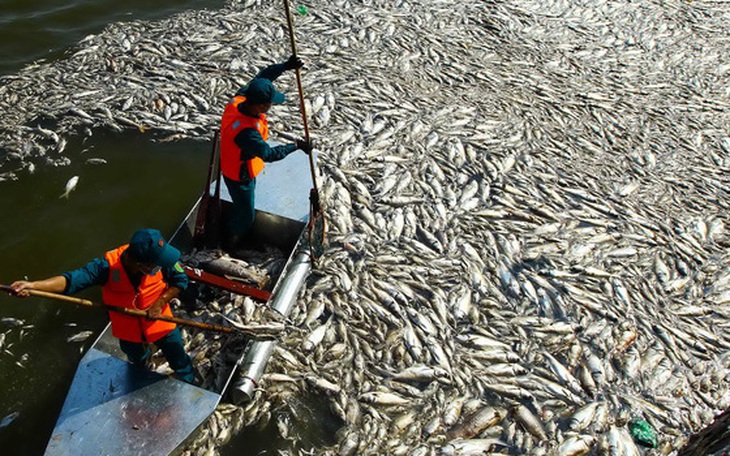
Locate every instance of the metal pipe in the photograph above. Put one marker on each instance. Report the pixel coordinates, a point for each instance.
(255, 359)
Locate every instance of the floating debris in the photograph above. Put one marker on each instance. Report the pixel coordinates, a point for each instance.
(10, 321)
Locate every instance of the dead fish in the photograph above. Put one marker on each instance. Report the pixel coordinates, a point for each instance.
(583, 416)
(464, 447)
(14, 322)
(315, 337)
(9, 419)
(70, 186)
(474, 424)
(383, 398)
(323, 385)
(576, 445)
(268, 330)
(80, 337)
(453, 409)
(530, 422)
(420, 373)
(236, 269)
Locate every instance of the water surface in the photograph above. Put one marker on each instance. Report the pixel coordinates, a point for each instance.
(143, 184)
(45, 29)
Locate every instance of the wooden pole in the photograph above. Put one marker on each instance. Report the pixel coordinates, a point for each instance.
(248, 330)
(315, 209)
(293, 42)
(200, 234)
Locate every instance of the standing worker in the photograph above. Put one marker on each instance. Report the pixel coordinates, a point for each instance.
(143, 275)
(244, 132)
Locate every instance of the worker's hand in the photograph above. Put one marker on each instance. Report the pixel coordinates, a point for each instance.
(21, 287)
(304, 146)
(155, 310)
(294, 63)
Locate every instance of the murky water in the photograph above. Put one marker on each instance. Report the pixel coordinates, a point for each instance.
(35, 29)
(143, 184)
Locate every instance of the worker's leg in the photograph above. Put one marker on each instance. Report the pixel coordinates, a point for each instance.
(174, 350)
(244, 207)
(137, 352)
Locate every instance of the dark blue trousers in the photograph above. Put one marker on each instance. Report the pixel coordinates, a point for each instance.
(173, 349)
(243, 211)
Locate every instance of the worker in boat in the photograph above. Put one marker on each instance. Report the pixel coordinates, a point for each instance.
(144, 275)
(244, 132)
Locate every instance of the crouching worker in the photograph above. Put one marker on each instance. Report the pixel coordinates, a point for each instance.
(143, 275)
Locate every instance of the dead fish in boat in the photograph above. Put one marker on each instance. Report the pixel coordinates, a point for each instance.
(70, 186)
(234, 268)
(268, 330)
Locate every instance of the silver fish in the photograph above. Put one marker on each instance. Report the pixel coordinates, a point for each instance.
(70, 186)
(80, 337)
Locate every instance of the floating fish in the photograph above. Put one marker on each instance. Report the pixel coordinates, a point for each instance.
(80, 337)
(5, 422)
(514, 163)
(10, 321)
(70, 186)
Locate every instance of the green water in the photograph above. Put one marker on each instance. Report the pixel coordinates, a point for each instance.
(44, 29)
(144, 184)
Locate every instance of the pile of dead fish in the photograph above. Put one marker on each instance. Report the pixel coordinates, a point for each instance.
(215, 354)
(527, 203)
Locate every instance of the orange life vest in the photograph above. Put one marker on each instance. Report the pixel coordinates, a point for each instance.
(119, 291)
(232, 124)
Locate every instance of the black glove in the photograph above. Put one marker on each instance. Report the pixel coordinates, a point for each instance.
(304, 146)
(293, 63)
